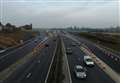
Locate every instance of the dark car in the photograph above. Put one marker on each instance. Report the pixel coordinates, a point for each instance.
(69, 51)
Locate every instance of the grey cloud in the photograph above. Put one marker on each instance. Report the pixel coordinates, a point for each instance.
(47, 15)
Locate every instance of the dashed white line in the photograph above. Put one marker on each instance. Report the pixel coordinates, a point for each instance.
(28, 75)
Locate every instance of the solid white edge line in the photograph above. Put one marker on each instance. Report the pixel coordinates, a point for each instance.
(51, 64)
(28, 75)
(67, 61)
(118, 81)
(21, 48)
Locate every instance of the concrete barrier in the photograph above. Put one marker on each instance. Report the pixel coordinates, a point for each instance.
(66, 67)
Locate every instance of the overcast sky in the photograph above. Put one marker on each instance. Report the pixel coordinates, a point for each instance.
(61, 13)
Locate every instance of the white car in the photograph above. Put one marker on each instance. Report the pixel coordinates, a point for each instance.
(74, 44)
(88, 61)
(36, 40)
(80, 72)
(79, 43)
(69, 51)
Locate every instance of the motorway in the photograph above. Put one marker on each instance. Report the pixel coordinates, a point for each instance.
(8, 50)
(12, 56)
(106, 57)
(35, 70)
(95, 74)
(13, 48)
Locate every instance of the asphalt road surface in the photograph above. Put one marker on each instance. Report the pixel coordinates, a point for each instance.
(101, 54)
(35, 70)
(94, 74)
(10, 49)
(13, 56)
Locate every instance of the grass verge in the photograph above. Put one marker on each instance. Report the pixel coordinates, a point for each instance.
(107, 40)
(13, 38)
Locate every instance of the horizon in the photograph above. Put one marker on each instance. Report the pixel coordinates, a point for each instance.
(52, 13)
(78, 27)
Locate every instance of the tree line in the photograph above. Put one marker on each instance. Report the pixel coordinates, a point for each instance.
(8, 27)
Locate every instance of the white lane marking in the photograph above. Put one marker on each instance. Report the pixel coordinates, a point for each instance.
(15, 50)
(38, 61)
(28, 75)
(67, 61)
(1, 51)
(100, 48)
(106, 68)
(79, 59)
(22, 47)
(51, 64)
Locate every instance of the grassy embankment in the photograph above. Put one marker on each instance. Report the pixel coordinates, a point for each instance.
(110, 40)
(13, 38)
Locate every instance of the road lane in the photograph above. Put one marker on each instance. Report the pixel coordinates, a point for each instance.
(100, 54)
(13, 56)
(11, 49)
(34, 71)
(95, 74)
(14, 48)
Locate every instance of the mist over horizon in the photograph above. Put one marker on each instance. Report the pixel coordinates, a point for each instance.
(61, 13)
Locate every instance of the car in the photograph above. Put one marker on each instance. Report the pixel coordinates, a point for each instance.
(46, 45)
(54, 39)
(80, 72)
(88, 61)
(78, 43)
(69, 51)
(73, 44)
(36, 40)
